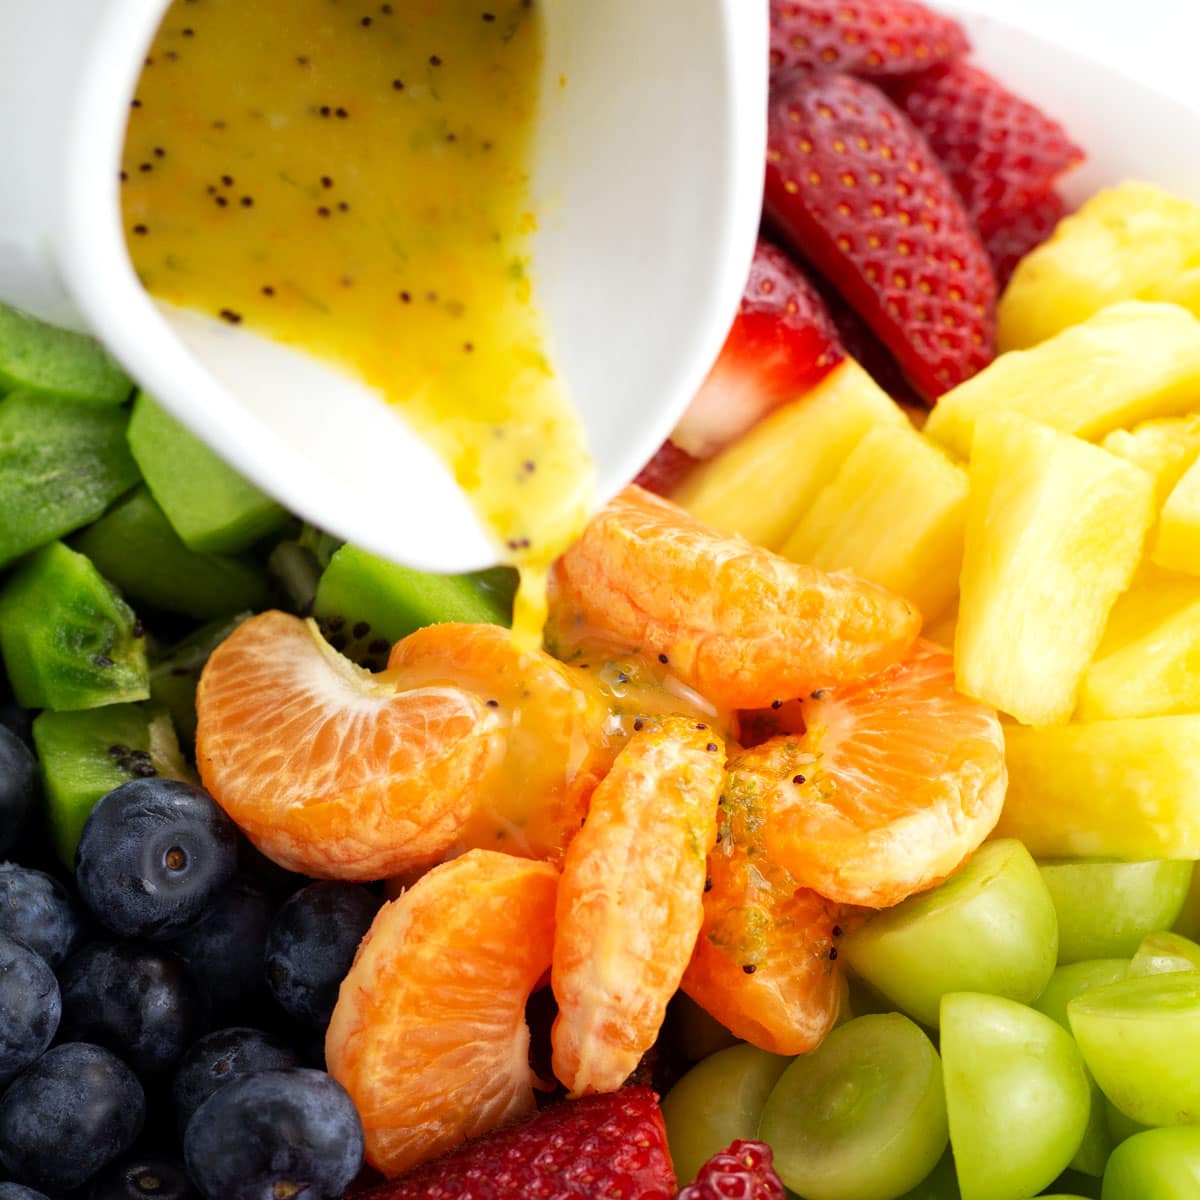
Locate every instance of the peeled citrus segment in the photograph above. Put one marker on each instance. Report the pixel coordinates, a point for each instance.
(555, 748)
(328, 769)
(896, 780)
(734, 621)
(630, 902)
(429, 1034)
(765, 962)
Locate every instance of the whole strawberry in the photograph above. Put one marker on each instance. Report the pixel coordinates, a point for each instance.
(607, 1147)
(870, 38)
(743, 1172)
(855, 189)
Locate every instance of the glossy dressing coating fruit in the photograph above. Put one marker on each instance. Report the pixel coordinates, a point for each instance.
(989, 928)
(429, 1033)
(863, 1116)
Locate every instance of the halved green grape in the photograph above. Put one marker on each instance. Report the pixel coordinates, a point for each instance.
(940, 1184)
(1160, 1164)
(717, 1101)
(863, 1117)
(1119, 1125)
(1164, 953)
(990, 928)
(1106, 908)
(1017, 1096)
(1188, 921)
(1141, 1039)
(1075, 978)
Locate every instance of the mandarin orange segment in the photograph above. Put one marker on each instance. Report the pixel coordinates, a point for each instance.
(429, 1034)
(630, 901)
(765, 962)
(332, 771)
(894, 783)
(555, 746)
(739, 624)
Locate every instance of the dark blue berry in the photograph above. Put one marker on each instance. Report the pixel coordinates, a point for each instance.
(226, 949)
(30, 1007)
(18, 1191)
(291, 1133)
(74, 1111)
(153, 855)
(36, 909)
(142, 1177)
(311, 946)
(140, 1001)
(18, 786)
(220, 1058)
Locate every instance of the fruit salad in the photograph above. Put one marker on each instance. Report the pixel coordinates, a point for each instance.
(836, 841)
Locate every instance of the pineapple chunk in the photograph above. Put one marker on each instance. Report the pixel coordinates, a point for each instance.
(1165, 448)
(942, 629)
(1148, 664)
(894, 513)
(1055, 529)
(1122, 789)
(1129, 362)
(1127, 242)
(1178, 544)
(761, 484)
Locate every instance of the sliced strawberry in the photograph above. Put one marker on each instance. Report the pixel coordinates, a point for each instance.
(853, 187)
(612, 1145)
(746, 1171)
(666, 470)
(781, 343)
(999, 150)
(1009, 235)
(870, 38)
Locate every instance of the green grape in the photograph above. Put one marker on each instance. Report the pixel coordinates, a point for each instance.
(1016, 1093)
(940, 1184)
(989, 928)
(718, 1100)
(1141, 1039)
(1119, 1125)
(1164, 953)
(1068, 982)
(1188, 922)
(1106, 908)
(863, 1117)
(694, 1032)
(1160, 1164)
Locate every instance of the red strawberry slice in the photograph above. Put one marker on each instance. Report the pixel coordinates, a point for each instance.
(1010, 234)
(854, 188)
(781, 343)
(746, 1170)
(999, 150)
(611, 1146)
(668, 468)
(871, 38)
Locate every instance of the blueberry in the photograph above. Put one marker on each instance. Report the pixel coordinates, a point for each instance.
(153, 856)
(75, 1110)
(290, 1133)
(142, 1177)
(18, 786)
(226, 949)
(30, 1007)
(18, 1191)
(36, 909)
(311, 946)
(140, 1001)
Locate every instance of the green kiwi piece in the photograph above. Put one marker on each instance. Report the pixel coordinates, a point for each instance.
(61, 465)
(135, 546)
(174, 677)
(365, 603)
(212, 508)
(82, 756)
(69, 641)
(43, 358)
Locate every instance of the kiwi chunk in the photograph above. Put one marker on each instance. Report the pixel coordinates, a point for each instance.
(365, 603)
(174, 677)
(43, 358)
(69, 641)
(82, 756)
(212, 508)
(135, 546)
(61, 465)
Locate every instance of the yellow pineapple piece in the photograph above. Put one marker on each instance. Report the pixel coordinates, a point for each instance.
(1122, 789)
(1055, 529)
(894, 513)
(1183, 289)
(761, 484)
(1178, 543)
(1127, 242)
(1148, 663)
(942, 629)
(1165, 448)
(1130, 362)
